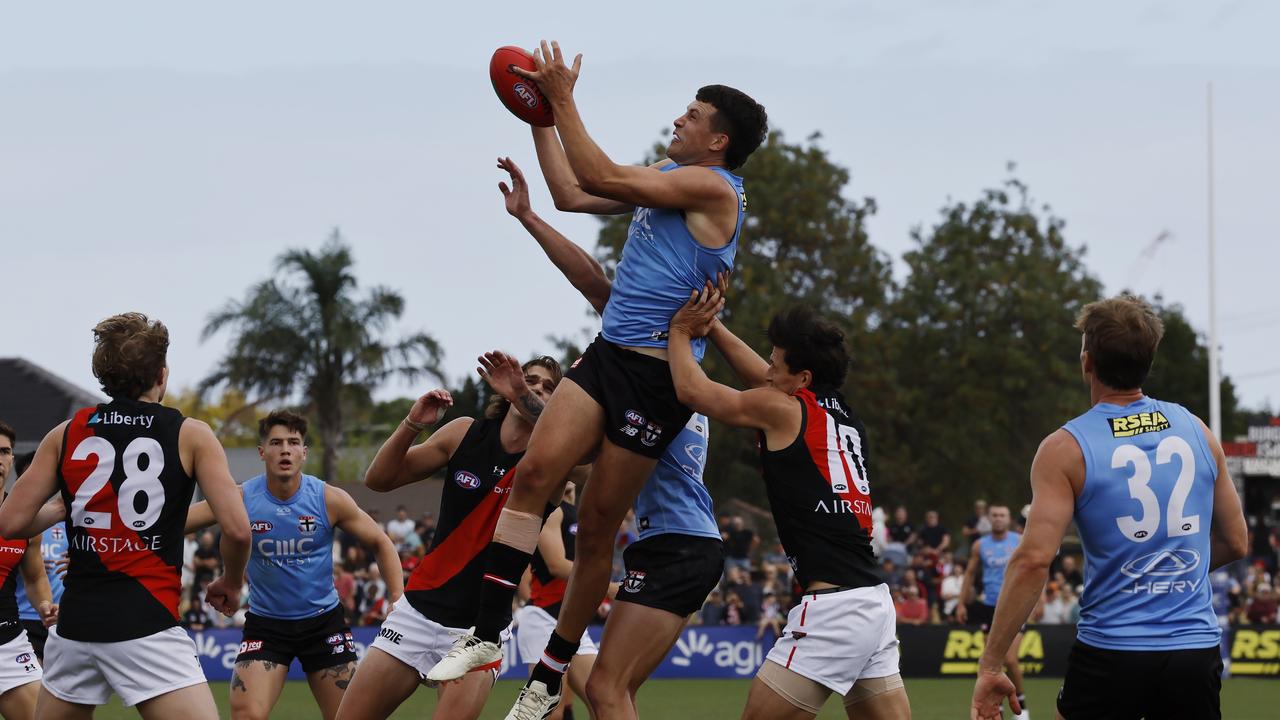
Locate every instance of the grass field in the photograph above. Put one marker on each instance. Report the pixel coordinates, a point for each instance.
(1242, 699)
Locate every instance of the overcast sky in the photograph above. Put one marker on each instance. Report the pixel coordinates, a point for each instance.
(158, 156)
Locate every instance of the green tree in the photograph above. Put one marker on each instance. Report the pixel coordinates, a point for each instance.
(233, 418)
(987, 356)
(1180, 372)
(803, 241)
(306, 334)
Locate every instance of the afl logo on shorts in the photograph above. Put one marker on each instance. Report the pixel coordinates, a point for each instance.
(307, 524)
(335, 639)
(23, 658)
(634, 581)
(527, 96)
(466, 480)
(260, 526)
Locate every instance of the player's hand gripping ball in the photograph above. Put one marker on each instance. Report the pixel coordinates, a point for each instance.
(521, 96)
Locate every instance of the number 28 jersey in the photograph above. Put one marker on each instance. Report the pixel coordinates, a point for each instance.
(127, 496)
(1144, 516)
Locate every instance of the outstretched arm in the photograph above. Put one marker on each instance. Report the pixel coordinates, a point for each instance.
(685, 188)
(566, 191)
(750, 368)
(400, 462)
(579, 268)
(761, 408)
(503, 373)
(345, 514)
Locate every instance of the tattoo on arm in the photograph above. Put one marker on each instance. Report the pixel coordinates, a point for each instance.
(531, 405)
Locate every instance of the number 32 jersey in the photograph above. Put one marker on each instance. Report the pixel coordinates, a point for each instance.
(1144, 518)
(127, 496)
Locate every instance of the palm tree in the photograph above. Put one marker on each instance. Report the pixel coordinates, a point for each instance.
(305, 333)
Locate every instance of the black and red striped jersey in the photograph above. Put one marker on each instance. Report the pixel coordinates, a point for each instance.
(127, 495)
(11, 552)
(820, 495)
(547, 590)
(445, 587)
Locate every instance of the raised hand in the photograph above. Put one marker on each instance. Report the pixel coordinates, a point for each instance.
(516, 196)
(428, 409)
(503, 373)
(555, 79)
(698, 315)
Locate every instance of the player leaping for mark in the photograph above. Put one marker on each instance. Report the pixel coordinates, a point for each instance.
(293, 605)
(127, 469)
(679, 558)
(841, 636)
(618, 397)
(1147, 484)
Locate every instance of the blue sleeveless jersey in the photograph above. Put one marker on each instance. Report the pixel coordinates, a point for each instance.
(995, 556)
(1144, 518)
(661, 263)
(674, 500)
(291, 568)
(52, 544)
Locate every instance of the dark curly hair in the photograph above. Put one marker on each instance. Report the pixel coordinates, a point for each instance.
(808, 342)
(738, 116)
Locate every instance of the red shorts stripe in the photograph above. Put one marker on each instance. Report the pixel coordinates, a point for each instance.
(791, 655)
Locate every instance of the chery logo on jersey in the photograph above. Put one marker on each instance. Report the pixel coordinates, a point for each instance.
(260, 526)
(1163, 563)
(116, 418)
(466, 480)
(1138, 423)
(307, 524)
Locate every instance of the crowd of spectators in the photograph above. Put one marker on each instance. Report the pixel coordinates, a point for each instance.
(923, 564)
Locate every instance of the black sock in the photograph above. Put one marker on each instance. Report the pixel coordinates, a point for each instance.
(555, 660)
(503, 567)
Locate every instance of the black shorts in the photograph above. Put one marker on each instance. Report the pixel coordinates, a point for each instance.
(641, 412)
(672, 572)
(37, 633)
(984, 615)
(1127, 684)
(318, 642)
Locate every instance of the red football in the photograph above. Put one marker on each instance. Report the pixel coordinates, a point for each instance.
(522, 97)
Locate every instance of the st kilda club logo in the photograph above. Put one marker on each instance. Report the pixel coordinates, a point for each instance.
(307, 524)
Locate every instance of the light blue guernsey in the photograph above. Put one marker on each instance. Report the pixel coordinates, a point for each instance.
(661, 263)
(995, 556)
(52, 544)
(291, 568)
(675, 500)
(1144, 518)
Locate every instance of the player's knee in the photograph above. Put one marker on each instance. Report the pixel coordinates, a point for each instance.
(596, 528)
(605, 691)
(250, 711)
(534, 474)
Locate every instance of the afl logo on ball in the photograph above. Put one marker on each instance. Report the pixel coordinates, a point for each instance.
(466, 480)
(527, 96)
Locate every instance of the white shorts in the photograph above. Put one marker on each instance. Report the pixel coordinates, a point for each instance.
(533, 629)
(136, 670)
(835, 638)
(417, 641)
(18, 665)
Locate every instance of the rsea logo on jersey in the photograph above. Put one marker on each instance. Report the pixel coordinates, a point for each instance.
(1138, 424)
